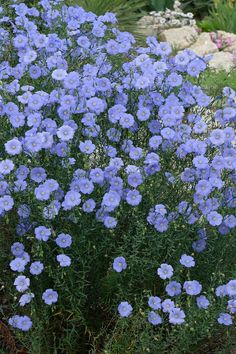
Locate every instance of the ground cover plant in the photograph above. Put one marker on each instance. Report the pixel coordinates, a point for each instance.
(117, 189)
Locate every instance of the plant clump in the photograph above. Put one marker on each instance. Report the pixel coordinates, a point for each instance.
(109, 149)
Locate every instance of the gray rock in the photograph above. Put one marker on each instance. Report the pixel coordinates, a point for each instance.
(231, 48)
(147, 27)
(204, 45)
(222, 61)
(179, 38)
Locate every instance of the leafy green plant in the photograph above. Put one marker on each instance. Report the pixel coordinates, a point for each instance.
(214, 82)
(128, 12)
(199, 8)
(222, 16)
(161, 5)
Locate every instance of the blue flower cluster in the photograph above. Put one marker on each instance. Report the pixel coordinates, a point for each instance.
(176, 315)
(87, 118)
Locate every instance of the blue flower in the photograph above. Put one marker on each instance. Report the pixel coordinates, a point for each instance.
(38, 174)
(26, 299)
(165, 271)
(87, 147)
(6, 166)
(125, 309)
(36, 268)
(17, 249)
(65, 261)
(112, 199)
(18, 264)
(65, 133)
(59, 74)
(72, 199)
(110, 222)
(64, 240)
(119, 264)
(154, 302)
(202, 302)
(6, 203)
(192, 287)
(50, 296)
(154, 318)
(214, 218)
(133, 197)
(176, 316)
(225, 319)
(126, 120)
(71, 81)
(167, 305)
(173, 288)
(42, 192)
(187, 261)
(22, 283)
(13, 147)
(42, 233)
(230, 288)
(25, 323)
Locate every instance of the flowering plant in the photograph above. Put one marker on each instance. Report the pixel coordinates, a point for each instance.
(111, 154)
(220, 40)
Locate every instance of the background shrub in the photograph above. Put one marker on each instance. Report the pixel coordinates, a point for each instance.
(222, 16)
(199, 8)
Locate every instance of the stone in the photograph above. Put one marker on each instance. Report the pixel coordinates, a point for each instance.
(222, 61)
(231, 48)
(146, 20)
(179, 38)
(147, 27)
(204, 45)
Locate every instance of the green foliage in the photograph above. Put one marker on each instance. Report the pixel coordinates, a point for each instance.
(222, 16)
(128, 12)
(155, 340)
(134, 335)
(87, 321)
(161, 5)
(198, 7)
(214, 82)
